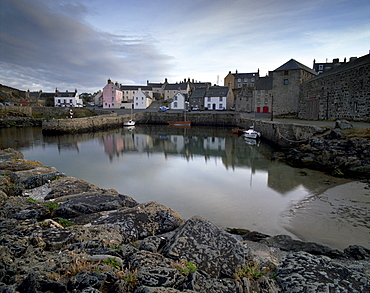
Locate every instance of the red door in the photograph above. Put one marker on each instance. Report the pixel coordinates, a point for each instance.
(265, 109)
(258, 110)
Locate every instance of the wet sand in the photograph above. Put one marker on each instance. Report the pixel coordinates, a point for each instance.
(337, 217)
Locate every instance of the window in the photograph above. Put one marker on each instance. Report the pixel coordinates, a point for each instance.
(286, 81)
(245, 79)
(239, 79)
(175, 104)
(252, 79)
(209, 106)
(209, 99)
(221, 99)
(58, 100)
(286, 72)
(258, 100)
(175, 98)
(266, 92)
(321, 67)
(239, 85)
(112, 99)
(266, 101)
(259, 93)
(220, 105)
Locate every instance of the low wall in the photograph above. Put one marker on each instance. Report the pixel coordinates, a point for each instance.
(79, 125)
(24, 110)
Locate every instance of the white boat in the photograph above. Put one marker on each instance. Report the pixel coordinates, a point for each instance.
(251, 133)
(130, 122)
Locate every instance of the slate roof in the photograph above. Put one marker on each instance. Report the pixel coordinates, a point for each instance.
(264, 83)
(217, 91)
(176, 86)
(199, 93)
(294, 64)
(346, 66)
(65, 94)
(245, 75)
(135, 87)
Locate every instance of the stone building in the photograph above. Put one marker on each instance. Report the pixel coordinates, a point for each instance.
(262, 95)
(285, 86)
(341, 93)
(238, 80)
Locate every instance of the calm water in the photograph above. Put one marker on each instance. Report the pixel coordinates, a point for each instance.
(207, 172)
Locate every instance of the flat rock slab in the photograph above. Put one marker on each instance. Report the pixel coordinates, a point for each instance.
(141, 221)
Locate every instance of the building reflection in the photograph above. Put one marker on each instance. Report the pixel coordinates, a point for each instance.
(209, 143)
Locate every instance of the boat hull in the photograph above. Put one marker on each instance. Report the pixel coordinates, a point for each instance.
(129, 123)
(179, 123)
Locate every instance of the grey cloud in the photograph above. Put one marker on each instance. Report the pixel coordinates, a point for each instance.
(48, 48)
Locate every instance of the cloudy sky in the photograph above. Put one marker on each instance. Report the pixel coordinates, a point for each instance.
(79, 44)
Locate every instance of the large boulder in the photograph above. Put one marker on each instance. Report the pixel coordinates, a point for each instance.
(211, 249)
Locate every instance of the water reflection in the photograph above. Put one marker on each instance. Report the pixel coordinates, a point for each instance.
(198, 171)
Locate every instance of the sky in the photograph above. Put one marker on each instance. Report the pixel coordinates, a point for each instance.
(80, 44)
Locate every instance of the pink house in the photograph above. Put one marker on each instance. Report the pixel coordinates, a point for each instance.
(112, 96)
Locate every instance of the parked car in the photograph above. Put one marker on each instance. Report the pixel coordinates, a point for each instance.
(220, 109)
(162, 109)
(195, 108)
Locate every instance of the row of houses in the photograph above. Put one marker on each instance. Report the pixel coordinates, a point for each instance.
(330, 90)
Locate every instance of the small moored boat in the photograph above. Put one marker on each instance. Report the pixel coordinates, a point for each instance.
(131, 122)
(251, 133)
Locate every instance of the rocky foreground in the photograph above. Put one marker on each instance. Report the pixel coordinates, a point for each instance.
(61, 234)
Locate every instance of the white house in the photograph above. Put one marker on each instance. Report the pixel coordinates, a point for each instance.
(67, 99)
(142, 100)
(178, 101)
(218, 97)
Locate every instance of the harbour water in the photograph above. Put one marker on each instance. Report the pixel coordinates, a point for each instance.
(209, 172)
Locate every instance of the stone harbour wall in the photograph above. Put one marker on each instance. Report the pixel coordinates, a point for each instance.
(79, 125)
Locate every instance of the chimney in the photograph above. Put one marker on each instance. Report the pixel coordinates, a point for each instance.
(236, 71)
(109, 81)
(336, 60)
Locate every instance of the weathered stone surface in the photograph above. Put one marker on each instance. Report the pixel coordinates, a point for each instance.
(211, 249)
(287, 243)
(201, 282)
(85, 280)
(343, 124)
(92, 202)
(144, 289)
(69, 185)
(142, 220)
(152, 243)
(357, 252)
(304, 272)
(38, 180)
(334, 154)
(160, 277)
